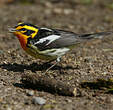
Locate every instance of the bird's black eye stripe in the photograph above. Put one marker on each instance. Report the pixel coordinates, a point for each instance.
(22, 29)
(28, 32)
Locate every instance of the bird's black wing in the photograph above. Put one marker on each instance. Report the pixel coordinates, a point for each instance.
(68, 39)
(49, 39)
(53, 38)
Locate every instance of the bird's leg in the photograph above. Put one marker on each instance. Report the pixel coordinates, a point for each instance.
(57, 61)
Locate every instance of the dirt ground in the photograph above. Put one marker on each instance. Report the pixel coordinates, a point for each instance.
(89, 67)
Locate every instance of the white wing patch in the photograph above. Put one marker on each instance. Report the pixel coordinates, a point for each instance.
(51, 38)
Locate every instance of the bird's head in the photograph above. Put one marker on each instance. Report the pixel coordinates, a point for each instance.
(23, 31)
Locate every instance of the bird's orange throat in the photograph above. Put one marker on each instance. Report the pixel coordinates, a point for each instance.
(23, 39)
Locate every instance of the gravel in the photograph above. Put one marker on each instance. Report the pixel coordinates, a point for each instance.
(86, 63)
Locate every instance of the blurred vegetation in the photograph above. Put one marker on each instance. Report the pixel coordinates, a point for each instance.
(110, 5)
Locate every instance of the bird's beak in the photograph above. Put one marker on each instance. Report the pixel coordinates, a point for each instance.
(12, 30)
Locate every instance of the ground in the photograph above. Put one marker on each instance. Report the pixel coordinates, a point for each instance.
(89, 67)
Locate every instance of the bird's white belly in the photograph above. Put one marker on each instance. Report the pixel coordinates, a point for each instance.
(57, 52)
(47, 54)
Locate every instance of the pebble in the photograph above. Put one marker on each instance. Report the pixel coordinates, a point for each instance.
(38, 100)
(8, 108)
(57, 11)
(68, 100)
(49, 5)
(30, 93)
(68, 11)
(75, 92)
(109, 99)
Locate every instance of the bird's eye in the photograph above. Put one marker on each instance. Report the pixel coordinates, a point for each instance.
(22, 29)
(28, 32)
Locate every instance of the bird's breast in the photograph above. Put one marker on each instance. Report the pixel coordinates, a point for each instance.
(22, 39)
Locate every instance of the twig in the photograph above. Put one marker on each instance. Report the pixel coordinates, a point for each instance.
(47, 84)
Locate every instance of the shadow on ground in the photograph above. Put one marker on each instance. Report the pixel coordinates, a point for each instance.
(33, 67)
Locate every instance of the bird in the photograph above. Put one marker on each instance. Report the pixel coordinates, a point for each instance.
(50, 44)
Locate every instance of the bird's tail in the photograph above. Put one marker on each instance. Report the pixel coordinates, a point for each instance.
(98, 35)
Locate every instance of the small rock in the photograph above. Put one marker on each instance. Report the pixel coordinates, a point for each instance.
(75, 92)
(57, 11)
(68, 100)
(8, 108)
(68, 11)
(30, 93)
(38, 100)
(49, 4)
(109, 99)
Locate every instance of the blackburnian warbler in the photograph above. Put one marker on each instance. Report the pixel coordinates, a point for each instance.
(49, 44)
